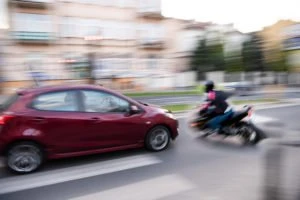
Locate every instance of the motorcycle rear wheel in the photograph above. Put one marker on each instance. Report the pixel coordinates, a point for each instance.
(249, 134)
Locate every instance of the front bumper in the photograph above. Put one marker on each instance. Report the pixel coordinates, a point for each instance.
(175, 130)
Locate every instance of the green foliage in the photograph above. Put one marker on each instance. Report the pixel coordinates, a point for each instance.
(253, 55)
(234, 62)
(207, 57)
(216, 56)
(279, 64)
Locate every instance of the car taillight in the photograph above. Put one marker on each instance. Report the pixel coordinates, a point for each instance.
(250, 112)
(4, 119)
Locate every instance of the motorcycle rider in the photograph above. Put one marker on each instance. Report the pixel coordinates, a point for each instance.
(215, 107)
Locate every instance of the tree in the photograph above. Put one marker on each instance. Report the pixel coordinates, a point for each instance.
(278, 63)
(207, 58)
(216, 56)
(199, 59)
(252, 54)
(199, 56)
(234, 62)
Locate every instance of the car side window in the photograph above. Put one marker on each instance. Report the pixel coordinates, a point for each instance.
(56, 101)
(102, 102)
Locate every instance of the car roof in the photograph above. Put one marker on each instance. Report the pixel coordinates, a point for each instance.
(44, 89)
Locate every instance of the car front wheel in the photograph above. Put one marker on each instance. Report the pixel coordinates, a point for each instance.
(158, 138)
(24, 157)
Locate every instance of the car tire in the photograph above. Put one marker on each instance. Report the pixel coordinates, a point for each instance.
(24, 157)
(158, 139)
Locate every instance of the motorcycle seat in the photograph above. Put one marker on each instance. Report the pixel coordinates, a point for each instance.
(237, 116)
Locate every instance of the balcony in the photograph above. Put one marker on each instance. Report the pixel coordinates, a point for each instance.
(150, 12)
(33, 3)
(33, 37)
(152, 44)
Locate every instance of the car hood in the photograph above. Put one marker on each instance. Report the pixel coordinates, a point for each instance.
(155, 107)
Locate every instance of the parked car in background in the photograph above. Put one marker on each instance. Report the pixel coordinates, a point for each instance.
(242, 88)
(63, 121)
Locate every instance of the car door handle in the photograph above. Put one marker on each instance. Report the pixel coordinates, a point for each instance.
(95, 119)
(39, 120)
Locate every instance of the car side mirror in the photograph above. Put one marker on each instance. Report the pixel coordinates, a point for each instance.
(134, 110)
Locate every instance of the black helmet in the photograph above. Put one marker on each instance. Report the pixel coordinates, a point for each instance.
(209, 86)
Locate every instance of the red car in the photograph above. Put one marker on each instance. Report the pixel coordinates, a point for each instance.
(63, 121)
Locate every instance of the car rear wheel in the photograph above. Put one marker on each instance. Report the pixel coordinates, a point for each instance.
(158, 138)
(24, 157)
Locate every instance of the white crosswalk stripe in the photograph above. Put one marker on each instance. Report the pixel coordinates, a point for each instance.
(39, 179)
(152, 189)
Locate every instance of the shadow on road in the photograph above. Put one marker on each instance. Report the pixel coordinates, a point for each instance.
(77, 161)
(229, 143)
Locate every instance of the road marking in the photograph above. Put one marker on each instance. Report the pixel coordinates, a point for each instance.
(14, 184)
(262, 119)
(152, 189)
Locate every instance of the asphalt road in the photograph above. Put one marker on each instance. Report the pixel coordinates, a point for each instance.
(215, 169)
(289, 116)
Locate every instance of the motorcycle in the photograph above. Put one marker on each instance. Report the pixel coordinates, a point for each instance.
(238, 124)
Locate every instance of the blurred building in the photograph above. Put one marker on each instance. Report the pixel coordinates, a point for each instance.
(125, 43)
(273, 40)
(189, 36)
(193, 32)
(2, 54)
(291, 45)
(56, 38)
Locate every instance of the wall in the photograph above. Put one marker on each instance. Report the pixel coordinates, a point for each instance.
(217, 77)
(185, 79)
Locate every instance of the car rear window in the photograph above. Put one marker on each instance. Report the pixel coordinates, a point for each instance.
(8, 102)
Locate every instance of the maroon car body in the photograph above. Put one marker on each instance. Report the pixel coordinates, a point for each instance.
(27, 116)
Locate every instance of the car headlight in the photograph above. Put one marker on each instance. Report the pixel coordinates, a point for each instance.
(169, 114)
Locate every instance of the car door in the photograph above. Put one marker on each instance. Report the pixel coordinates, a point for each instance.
(56, 115)
(108, 121)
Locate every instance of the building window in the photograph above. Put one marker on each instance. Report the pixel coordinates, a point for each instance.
(32, 22)
(114, 66)
(107, 29)
(151, 32)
